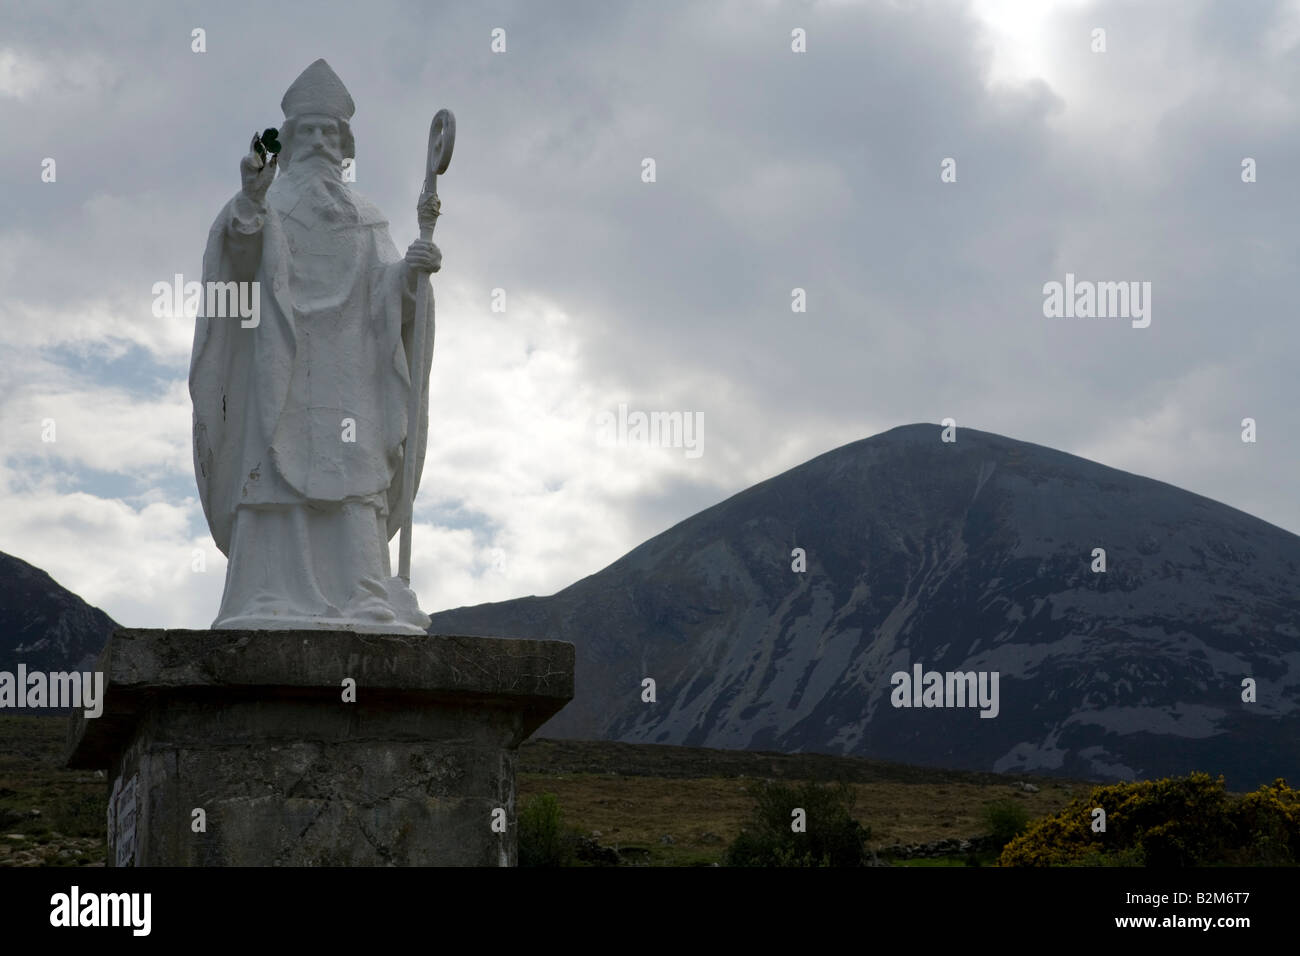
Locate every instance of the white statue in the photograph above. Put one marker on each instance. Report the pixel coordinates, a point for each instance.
(301, 421)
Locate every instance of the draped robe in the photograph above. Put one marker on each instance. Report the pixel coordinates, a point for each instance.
(300, 423)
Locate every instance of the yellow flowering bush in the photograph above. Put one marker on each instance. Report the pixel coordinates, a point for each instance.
(1172, 822)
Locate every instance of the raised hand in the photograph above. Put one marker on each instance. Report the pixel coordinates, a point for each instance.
(256, 174)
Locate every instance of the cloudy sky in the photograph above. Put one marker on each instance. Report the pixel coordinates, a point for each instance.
(774, 170)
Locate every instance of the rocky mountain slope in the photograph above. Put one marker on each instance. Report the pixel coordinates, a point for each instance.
(975, 555)
(43, 625)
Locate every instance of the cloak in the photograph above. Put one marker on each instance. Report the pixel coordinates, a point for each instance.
(240, 377)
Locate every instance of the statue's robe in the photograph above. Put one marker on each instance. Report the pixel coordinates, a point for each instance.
(302, 513)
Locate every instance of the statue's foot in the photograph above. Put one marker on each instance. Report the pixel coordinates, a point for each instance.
(386, 602)
(369, 609)
(403, 600)
(369, 602)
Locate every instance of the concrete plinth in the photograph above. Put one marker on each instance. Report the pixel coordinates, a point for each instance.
(252, 728)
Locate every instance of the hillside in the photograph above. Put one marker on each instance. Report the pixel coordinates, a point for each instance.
(966, 556)
(44, 625)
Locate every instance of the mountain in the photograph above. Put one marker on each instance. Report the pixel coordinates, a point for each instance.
(45, 626)
(974, 555)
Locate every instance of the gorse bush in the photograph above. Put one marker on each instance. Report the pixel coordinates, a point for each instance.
(832, 837)
(1174, 822)
(543, 838)
(1268, 824)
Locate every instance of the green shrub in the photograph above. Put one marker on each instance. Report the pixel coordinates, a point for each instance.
(543, 838)
(832, 837)
(1173, 822)
(1005, 820)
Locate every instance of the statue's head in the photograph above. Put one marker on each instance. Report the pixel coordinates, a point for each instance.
(317, 108)
(313, 136)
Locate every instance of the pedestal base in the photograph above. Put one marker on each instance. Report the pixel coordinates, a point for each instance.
(316, 748)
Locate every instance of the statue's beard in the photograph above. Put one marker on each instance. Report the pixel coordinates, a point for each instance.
(318, 179)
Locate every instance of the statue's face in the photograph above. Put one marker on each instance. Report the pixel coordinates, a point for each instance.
(317, 138)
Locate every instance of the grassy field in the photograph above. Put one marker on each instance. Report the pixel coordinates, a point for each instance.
(635, 794)
(628, 796)
(49, 816)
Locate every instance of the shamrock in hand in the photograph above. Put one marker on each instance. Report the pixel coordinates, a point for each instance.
(268, 142)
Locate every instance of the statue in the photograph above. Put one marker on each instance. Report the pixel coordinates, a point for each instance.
(310, 426)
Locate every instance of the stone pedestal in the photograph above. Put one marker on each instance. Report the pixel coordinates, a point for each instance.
(260, 731)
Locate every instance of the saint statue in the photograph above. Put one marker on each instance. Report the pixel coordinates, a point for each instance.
(301, 420)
